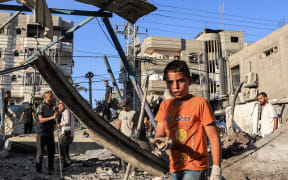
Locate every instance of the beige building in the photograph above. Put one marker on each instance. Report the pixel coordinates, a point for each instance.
(214, 45)
(162, 50)
(268, 58)
(19, 40)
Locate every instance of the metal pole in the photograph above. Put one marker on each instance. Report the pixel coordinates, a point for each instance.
(140, 120)
(99, 13)
(109, 70)
(90, 75)
(128, 68)
(142, 110)
(9, 20)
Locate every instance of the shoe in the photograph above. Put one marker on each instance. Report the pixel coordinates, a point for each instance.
(51, 171)
(66, 165)
(38, 168)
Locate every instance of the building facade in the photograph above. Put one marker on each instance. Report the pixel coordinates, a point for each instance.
(20, 39)
(206, 56)
(268, 58)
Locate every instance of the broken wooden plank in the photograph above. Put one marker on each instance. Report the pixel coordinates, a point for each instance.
(101, 132)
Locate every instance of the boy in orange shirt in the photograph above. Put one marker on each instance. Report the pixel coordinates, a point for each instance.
(186, 120)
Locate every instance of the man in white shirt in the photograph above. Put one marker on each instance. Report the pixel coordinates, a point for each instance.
(269, 118)
(67, 133)
(126, 118)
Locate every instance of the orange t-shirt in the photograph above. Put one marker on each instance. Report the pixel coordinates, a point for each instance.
(185, 125)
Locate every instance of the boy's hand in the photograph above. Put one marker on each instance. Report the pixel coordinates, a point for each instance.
(163, 143)
(216, 173)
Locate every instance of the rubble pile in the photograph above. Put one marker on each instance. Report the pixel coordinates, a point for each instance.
(95, 164)
(235, 144)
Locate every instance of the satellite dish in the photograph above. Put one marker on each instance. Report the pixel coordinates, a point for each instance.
(131, 10)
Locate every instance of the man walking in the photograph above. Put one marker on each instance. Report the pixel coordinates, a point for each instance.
(107, 100)
(29, 117)
(67, 133)
(269, 118)
(45, 135)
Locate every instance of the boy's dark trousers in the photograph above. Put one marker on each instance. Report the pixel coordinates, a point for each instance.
(42, 141)
(28, 127)
(65, 142)
(106, 111)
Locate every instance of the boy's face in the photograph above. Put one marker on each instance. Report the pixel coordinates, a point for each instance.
(178, 84)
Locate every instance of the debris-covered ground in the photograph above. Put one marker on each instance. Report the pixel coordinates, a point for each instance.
(85, 166)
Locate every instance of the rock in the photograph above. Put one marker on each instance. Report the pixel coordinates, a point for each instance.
(3, 154)
(234, 144)
(85, 134)
(100, 154)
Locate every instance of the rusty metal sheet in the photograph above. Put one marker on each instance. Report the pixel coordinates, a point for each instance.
(130, 10)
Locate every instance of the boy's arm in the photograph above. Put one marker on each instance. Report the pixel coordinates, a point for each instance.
(214, 139)
(275, 123)
(21, 118)
(119, 125)
(160, 130)
(45, 119)
(33, 116)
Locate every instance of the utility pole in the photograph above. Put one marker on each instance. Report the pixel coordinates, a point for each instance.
(221, 12)
(130, 33)
(90, 75)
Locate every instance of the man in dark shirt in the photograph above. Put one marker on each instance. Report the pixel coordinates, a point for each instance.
(45, 136)
(29, 117)
(107, 100)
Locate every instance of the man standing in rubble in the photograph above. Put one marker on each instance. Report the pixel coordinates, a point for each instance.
(45, 136)
(269, 118)
(29, 117)
(107, 100)
(67, 133)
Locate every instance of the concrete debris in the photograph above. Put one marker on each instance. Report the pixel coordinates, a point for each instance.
(100, 154)
(85, 134)
(235, 144)
(3, 154)
(22, 166)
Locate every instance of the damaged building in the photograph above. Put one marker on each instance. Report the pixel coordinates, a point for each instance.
(20, 39)
(207, 54)
(262, 67)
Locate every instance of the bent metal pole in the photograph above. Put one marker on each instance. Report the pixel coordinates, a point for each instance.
(128, 68)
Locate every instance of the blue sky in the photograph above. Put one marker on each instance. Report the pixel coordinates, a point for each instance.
(181, 19)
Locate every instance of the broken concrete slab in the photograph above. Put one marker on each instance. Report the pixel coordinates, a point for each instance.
(100, 154)
(267, 160)
(27, 144)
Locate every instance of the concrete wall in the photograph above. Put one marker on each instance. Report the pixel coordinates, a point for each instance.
(245, 117)
(271, 68)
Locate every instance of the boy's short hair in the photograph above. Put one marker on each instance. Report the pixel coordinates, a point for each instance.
(177, 66)
(263, 94)
(48, 92)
